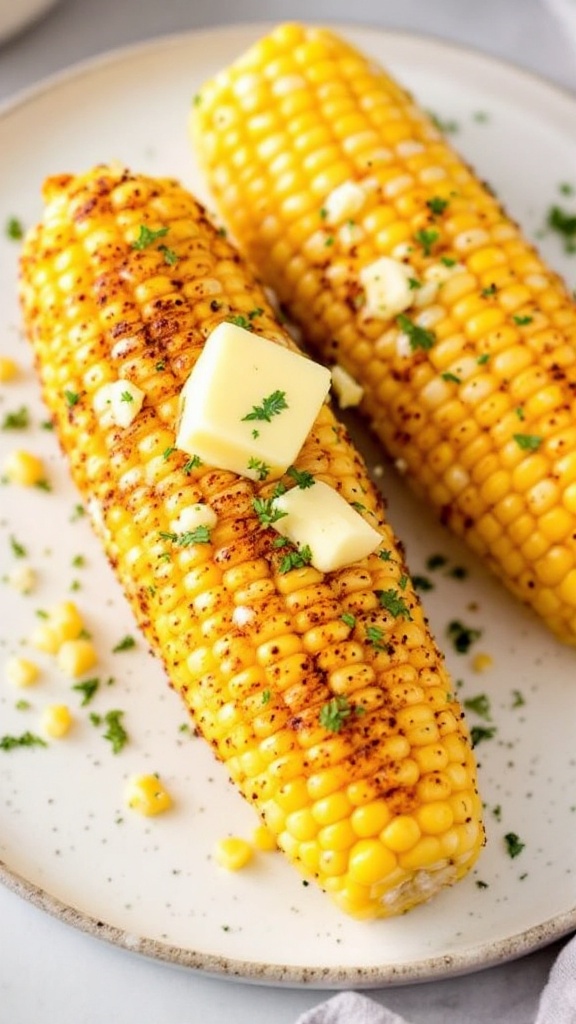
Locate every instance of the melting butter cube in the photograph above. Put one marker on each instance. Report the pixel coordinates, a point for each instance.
(249, 403)
(344, 202)
(348, 391)
(321, 519)
(386, 284)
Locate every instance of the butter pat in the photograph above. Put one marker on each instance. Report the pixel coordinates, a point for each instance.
(321, 519)
(344, 202)
(386, 284)
(348, 391)
(249, 403)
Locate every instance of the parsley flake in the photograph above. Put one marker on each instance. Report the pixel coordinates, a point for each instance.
(418, 337)
(125, 644)
(303, 478)
(18, 420)
(259, 466)
(295, 559)
(14, 229)
(115, 732)
(266, 511)
(436, 204)
(88, 689)
(25, 739)
(393, 603)
(462, 636)
(334, 714)
(427, 238)
(146, 236)
(528, 442)
(479, 733)
(18, 549)
(199, 535)
(514, 844)
(271, 406)
(72, 398)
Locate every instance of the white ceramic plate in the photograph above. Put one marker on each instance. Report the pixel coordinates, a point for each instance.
(66, 840)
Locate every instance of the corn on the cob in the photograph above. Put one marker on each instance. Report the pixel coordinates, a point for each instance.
(324, 695)
(403, 268)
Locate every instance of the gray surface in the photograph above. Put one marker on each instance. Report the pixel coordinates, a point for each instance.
(49, 973)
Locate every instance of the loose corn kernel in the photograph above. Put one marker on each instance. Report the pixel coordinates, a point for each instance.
(22, 578)
(147, 794)
(24, 468)
(44, 638)
(75, 657)
(233, 853)
(21, 671)
(481, 662)
(57, 720)
(66, 621)
(8, 369)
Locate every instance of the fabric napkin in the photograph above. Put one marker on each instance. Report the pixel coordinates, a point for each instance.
(557, 1002)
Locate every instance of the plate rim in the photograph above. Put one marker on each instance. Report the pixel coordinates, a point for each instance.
(481, 956)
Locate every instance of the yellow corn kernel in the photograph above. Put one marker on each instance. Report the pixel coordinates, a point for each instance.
(233, 853)
(24, 468)
(44, 638)
(147, 794)
(263, 839)
(8, 369)
(21, 671)
(57, 721)
(490, 366)
(22, 578)
(263, 655)
(66, 621)
(75, 657)
(481, 662)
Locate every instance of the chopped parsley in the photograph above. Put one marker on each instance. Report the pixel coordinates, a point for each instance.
(25, 739)
(14, 229)
(334, 714)
(266, 696)
(18, 420)
(125, 644)
(88, 689)
(451, 377)
(487, 292)
(115, 732)
(199, 535)
(514, 844)
(302, 477)
(271, 406)
(375, 636)
(160, 365)
(126, 396)
(483, 359)
(147, 236)
(192, 463)
(564, 224)
(393, 603)
(480, 705)
(422, 583)
(462, 636)
(261, 468)
(528, 442)
(437, 205)
(478, 733)
(427, 238)
(296, 559)
(18, 549)
(522, 320)
(168, 452)
(72, 398)
(518, 699)
(240, 321)
(348, 619)
(266, 511)
(170, 257)
(418, 337)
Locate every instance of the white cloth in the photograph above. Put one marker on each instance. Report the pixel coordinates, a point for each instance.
(558, 999)
(350, 1008)
(557, 1002)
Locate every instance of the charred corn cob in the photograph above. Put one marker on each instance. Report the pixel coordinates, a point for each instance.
(324, 694)
(403, 269)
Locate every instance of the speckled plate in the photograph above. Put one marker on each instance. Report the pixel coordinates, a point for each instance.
(66, 840)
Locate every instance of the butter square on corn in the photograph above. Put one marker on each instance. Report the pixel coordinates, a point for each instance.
(249, 403)
(321, 519)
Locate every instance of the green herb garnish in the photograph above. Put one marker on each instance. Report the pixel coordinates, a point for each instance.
(18, 420)
(303, 478)
(147, 236)
(333, 715)
(25, 739)
(418, 337)
(88, 689)
(271, 406)
(393, 603)
(514, 844)
(528, 442)
(125, 644)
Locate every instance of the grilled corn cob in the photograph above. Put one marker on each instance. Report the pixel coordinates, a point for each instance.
(324, 695)
(403, 269)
